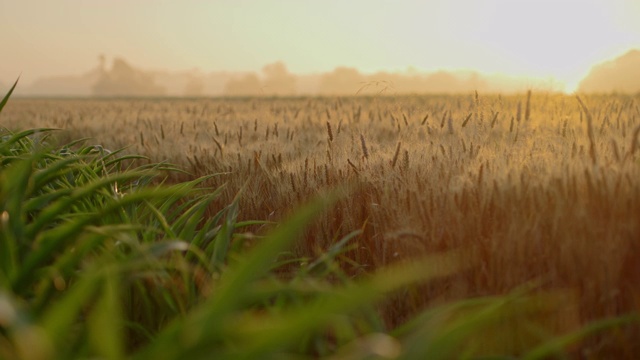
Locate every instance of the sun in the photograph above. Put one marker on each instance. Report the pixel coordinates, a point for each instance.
(545, 39)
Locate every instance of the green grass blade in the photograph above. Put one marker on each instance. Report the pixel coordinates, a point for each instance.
(55, 170)
(21, 141)
(161, 219)
(58, 238)
(62, 315)
(192, 217)
(15, 186)
(557, 345)
(88, 190)
(328, 256)
(183, 338)
(105, 321)
(282, 330)
(223, 238)
(8, 95)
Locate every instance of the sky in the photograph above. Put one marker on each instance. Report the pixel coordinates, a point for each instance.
(559, 39)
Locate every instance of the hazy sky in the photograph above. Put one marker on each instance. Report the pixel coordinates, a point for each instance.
(542, 38)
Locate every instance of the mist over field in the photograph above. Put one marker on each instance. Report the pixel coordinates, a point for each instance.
(621, 74)
(121, 78)
(285, 179)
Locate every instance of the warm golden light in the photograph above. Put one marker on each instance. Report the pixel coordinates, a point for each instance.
(562, 39)
(545, 41)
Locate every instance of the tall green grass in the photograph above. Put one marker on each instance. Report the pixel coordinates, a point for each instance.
(101, 259)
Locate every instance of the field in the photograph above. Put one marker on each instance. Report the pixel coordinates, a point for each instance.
(538, 194)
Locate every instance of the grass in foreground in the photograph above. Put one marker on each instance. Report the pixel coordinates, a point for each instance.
(101, 259)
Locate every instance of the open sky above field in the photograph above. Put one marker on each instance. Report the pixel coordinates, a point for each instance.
(558, 39)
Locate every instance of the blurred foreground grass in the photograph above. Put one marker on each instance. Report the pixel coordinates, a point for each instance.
(99, 258)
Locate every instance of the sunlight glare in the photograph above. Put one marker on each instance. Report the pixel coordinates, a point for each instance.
(559, 39)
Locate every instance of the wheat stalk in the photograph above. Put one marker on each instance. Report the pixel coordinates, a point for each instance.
(365, 151)
(590, 133)
(527, 111)
(395, 156)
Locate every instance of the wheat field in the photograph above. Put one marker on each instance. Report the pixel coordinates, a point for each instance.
(541, 191)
